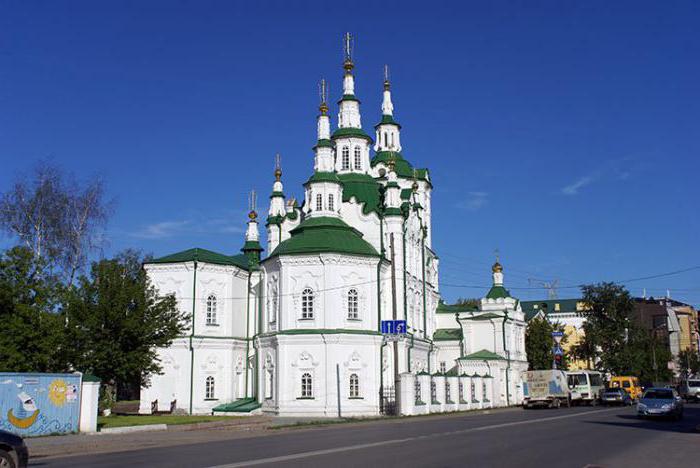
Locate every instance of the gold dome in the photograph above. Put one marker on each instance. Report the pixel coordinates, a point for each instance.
(278, 174)
(497, 268)
(252, 215)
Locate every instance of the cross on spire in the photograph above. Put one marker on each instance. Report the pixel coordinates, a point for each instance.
(323, 96)
(348, 43)
(252, 202)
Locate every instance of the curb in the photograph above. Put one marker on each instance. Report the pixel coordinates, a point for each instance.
(129, 429)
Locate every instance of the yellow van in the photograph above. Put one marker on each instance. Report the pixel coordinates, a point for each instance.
(628, 384)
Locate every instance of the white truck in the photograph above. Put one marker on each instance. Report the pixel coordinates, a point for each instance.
(548, 388)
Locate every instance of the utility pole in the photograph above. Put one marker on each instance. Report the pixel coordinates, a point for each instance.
(397, 379)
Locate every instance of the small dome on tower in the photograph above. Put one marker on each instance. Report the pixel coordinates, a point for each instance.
(253, 215)
(497, 268)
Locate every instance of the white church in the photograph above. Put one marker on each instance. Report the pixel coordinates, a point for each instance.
(298, 332)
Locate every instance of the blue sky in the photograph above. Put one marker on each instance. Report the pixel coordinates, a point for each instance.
(563, 133)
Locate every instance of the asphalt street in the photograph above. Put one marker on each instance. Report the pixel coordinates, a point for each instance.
(576, 437)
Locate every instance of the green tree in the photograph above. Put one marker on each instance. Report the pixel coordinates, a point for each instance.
(31, 329)
(689, 362)
(539, 344)
(615, 341)
(468, 302)
(115, 321)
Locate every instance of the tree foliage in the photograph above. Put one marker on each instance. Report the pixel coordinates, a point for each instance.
(468, 302)
(689, 362)
(31, 335)
(539, 344)
(620, 345)
(115, 321)
(58, 218)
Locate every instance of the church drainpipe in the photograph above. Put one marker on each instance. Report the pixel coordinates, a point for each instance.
(409, 351)
(505, 318)
(261, 299)
(247, 330)
(425, 307)
(194, 304)
(403, 261)
(461, 337)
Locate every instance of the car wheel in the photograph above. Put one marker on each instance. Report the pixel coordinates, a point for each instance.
(556, 403)
(6, 460)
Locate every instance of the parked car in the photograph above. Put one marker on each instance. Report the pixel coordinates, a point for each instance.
(690, 389)
(627, 383)
(13, 451)
(616, 396)
(657, 401)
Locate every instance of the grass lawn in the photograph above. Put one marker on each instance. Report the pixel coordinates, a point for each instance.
(137, 420)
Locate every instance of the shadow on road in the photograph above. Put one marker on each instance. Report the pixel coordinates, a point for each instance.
(687, 425)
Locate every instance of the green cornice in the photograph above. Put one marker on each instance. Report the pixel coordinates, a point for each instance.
(277, 194)
(323, 177)
(403, 168)
(275, 219)
(393, 212)
(322, 331)
(498, 292)
(447, 334)
(348, 97)
(387, 120)
(350, 132)
(323, 144)
(204, 256)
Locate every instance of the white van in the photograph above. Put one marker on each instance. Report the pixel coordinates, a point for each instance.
(548, 388)
(586, 386)
(690, 389)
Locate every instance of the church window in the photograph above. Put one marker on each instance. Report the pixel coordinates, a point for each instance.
(268, 384)
(209, 388)
(345, 161)
(416, 389)
(211, 310)
(448, 396)
(319, 202)
(461, 390)
(474, 391)
(330, 202)
(354, 386)
(483, 389)
(306, 386)
(386, 141)
(433, 391)
(443, 367)
(392, 139)
(307, 304)
(358, 158)
(353, 305)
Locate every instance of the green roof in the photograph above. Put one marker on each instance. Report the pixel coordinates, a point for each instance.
(205, 256)
(452, 372)
(447, 334)
(363, 188)
(277, 194)
(323, 177)
(387, 119)
(487, 316)
(402, 167)
(443, 308)
(483, 355)
(324, 234)
(350, 132)
(549, 306)
(498, 292)
(406, 193)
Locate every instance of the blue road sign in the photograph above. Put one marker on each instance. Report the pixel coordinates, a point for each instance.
(558, 351)
(393, 327)
(557, 333)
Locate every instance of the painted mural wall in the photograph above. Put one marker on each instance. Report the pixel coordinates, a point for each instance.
(36, 404)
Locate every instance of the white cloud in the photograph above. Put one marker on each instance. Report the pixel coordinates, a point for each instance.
(474, 201)
(161, 229)
(573, 189)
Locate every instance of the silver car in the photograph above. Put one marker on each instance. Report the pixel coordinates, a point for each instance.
(658, 402)
(690, 389)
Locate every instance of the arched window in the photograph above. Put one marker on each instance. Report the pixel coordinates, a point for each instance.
(358, 158)
(211, 310)
(392, 139)
(307, 389)
(331, 204)
(386, 140)
(345, 160)
(353, 304)
(416, 389)
(209, 388)
(354, 386)
(319, 202)
(307, 304)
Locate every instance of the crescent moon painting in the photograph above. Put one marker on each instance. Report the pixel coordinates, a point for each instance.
(22, 423)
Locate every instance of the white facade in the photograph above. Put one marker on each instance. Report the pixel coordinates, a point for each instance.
(298, 332)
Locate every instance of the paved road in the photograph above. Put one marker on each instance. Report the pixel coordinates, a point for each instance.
(576, 437)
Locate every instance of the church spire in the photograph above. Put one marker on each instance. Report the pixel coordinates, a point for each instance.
(349, 115)
(387, 130)
(323, 161)
(277, 207)
(252, 247)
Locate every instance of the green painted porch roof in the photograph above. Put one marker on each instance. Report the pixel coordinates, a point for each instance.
(483, 355)
(324, 234)
(205, 256)
(447, 334)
